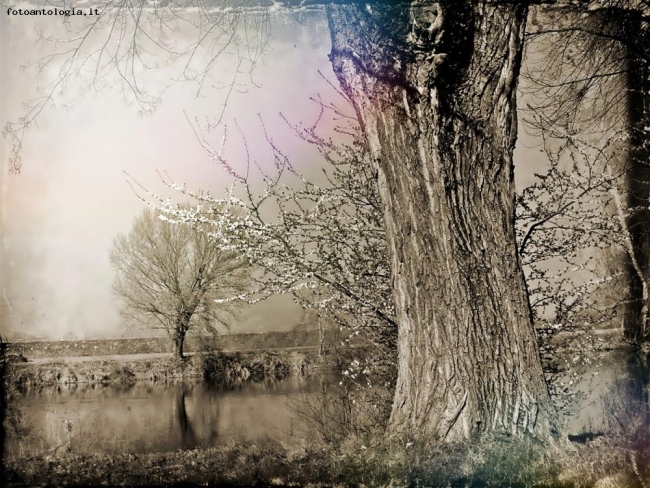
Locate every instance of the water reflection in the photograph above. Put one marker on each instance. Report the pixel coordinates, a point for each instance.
(187, 436)
(153, 418)
(611, 395)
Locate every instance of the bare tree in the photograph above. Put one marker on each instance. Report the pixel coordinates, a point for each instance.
(323, 243)
(589, 79)
(567, 220)
(171, 277)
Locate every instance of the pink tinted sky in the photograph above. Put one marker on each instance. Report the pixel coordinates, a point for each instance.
(61, 214)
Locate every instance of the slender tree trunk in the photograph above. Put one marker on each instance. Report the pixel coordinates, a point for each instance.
(433, 85)
(181, 327)
(179, 339)
(638, 178)
(321, 337)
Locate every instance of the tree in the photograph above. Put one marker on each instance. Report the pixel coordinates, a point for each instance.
(567, 221)
(324, 243)
(170, 277)
(433, 85)
(3, 400)
(590, 79)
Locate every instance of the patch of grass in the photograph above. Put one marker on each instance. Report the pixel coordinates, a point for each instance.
(494, 462)
(97, 347)
(262, 463)
(397, 462)
(149, 345)
(388, 463)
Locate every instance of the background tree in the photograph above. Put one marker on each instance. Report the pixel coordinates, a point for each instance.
(589, 80)
(171, 275)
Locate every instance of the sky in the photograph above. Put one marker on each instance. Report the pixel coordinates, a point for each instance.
(73, 197)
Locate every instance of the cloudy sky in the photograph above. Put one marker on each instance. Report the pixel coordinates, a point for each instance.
(72, 197)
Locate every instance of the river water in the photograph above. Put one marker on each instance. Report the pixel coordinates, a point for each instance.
(146, 417)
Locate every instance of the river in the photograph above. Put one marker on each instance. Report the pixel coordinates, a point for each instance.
(145, 417)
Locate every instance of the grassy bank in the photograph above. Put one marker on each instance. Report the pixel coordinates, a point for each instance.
(227, 367)
(505, 463)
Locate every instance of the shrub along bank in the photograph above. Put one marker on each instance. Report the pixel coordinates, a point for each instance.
(228, 367)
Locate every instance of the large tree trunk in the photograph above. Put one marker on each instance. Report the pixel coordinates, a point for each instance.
(433, 85)
(638, 178)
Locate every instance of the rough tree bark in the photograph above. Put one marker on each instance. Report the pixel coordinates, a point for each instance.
(433, 85)
(637, 263)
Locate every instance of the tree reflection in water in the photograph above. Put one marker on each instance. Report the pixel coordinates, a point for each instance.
(147, 417)
(188, 436)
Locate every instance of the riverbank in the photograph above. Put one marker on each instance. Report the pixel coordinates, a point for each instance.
(219, 366)
(509, 463)
(619, 458)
